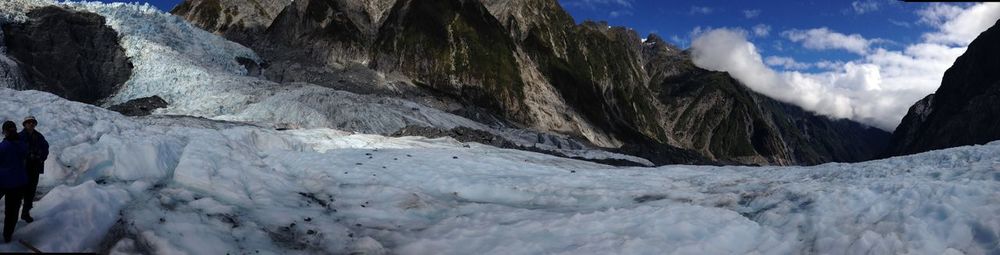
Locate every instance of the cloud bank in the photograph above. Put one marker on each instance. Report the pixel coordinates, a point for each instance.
(761, 30)
(825, 39)
(787, 63)
(877, 89)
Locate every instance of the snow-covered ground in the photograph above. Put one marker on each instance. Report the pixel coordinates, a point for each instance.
(167, 185)
(174, 185)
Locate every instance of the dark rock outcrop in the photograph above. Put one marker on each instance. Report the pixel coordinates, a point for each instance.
(965, 110)
(70, 54)
(325, 31)
(239, 20)
(140, 106)
(253, 68)
(455, 47)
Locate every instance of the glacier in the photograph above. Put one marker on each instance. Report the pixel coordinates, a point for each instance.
(198, 74)
(187, 185)
(222, 180)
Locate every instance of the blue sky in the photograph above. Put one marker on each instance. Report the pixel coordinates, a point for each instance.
(895, 22)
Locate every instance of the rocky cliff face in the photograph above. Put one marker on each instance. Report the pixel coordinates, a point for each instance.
(10, 71)
(595, 69)
(714, 114)
(530, 64)
(238, 20)
(964, 110)
(455, 47)
(71, 54)
(329, 31)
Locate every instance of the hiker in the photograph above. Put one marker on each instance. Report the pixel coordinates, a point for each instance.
(13, 176)
(38, 151)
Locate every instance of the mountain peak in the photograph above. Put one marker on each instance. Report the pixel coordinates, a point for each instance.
(964, 109)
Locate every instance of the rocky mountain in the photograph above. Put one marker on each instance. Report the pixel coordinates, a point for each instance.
(71, 54)
(236, 19)
(454, 47)
(528, 64)
(713, 113)
(964, 110)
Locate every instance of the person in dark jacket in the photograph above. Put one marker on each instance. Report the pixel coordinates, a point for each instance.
(13, 176)
(38, 151)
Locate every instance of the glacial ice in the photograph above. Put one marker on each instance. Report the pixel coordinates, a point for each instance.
(187, 185)
(175, 185)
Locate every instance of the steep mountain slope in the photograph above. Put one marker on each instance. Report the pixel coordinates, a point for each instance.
(964, 110)
(595, 69)
(751, 127)
(530, 63)
(238, 20)
(713, 113)
(72, 54)
(330, 31)
(455, 47)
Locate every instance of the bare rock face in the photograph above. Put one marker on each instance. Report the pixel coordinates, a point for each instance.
(238, 20)
(71, 54)
(329, 32)
(140, 106)
(455, 47)
(964, 110)
(11, 75)
(378, 10)
(10, 72)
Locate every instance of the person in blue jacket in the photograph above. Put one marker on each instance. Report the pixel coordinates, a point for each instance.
(13, 176)
(38, 151)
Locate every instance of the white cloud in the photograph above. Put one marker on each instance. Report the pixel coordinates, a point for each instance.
(829, 65)
(786, 62)
(778, 45)
(680, 42)
(864, 6)
(751, 13)
(826, 39)
(900, 23)
(761, 30)
(876, 89)
(697, 31)
(958, 28)
(704, 10)
(937, 13)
